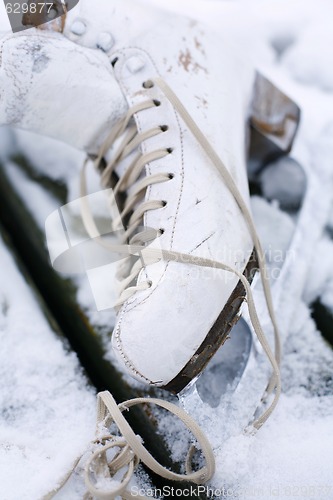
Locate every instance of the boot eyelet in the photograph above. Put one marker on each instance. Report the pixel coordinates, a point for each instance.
(171, 176)
(164, 203)
(161, 231)
(157, 102)
(164, 128)
(150, 284)
(169, 150)
(148, 84)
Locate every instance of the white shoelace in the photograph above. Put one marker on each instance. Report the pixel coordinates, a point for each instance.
(131, 448)
(131, 451)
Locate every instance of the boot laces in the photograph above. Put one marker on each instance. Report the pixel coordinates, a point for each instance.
(124, 141)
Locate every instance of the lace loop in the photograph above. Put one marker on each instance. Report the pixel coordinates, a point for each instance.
(133, 450)
(108, 470)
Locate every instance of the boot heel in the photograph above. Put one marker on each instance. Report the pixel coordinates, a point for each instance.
(274, 120)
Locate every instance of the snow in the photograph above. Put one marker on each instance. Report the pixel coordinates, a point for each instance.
(39, 151)
(294, 448)
(313, 46)
(284, 181)
(330, 220)
(7, 143)
(47, 408)
(291, 456)
(321, 271)
(275, 229)
(43, 203)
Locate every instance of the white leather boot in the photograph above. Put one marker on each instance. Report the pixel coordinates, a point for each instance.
(174, 313)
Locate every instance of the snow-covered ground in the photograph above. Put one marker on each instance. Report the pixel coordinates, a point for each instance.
(47, 411)
(292, 455)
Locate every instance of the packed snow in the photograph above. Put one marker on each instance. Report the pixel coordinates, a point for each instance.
(47, 412)
(292, 455)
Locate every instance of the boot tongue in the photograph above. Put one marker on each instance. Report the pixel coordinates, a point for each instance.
(75, 99)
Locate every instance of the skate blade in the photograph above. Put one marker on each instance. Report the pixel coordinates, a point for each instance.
(225, 397)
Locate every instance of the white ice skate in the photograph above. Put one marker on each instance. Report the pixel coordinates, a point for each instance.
(164, 112)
